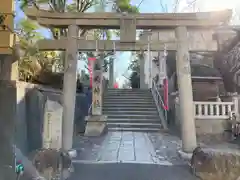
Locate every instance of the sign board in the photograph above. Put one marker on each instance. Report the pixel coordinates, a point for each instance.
(52, 127)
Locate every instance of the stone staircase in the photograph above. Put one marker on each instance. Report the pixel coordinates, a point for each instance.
(131, 110)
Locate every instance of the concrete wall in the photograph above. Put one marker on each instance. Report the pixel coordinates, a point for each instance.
(212, 126)
(7, 123)
(206, 126)
(30, 113)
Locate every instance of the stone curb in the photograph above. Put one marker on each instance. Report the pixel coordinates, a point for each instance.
(184, 155)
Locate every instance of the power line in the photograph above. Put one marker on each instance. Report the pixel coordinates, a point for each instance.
(140, 3)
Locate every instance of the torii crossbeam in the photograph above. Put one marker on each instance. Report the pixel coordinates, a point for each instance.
(111, 45)
(142, 21)
(128, 23)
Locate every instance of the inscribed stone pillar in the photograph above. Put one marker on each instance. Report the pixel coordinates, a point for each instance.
(52, 125)
(69, 87)
(183, 69)
(97, 87)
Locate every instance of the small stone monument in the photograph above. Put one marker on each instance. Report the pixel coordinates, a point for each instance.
(52, 131)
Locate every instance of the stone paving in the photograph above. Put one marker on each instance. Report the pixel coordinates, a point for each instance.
(156, 148)
(129, 156)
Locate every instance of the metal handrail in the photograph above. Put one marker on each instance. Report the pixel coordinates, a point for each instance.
(89, 109)
(158, 100)
(156, 89)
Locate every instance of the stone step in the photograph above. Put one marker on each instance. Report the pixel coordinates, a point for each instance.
(133, 125)
(134, 116)
(127, 90)
(127, 97)
(128, 93)
(139, 101)
(132, 120)
(139, 112)
(135, 129)
(126, 102)
(128, 105)
(124, 108)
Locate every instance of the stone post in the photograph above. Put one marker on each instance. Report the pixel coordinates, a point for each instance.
(183, 69)
(97, 87)
(235, 100)
(177, 113)
(111, 73)
(150, 64)
(142, 72)
(69, 87)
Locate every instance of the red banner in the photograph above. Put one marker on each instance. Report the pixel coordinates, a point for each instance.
(90, 68)
(115, 85)
(165, 85)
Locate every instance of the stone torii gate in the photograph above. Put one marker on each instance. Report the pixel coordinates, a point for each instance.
(181, 24)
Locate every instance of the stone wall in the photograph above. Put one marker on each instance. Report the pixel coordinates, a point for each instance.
(212, 126)
(204, 126)
(31, 100)
(7, 123)
(208, 126)
(203, 91)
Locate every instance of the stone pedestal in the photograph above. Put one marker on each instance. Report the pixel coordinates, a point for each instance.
(96, 125)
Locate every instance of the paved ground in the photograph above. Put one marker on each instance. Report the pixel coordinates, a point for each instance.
(129, 147)
(129, 156)
(130, 171)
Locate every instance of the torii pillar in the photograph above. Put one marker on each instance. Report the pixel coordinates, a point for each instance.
(69, 87)
(188, 129)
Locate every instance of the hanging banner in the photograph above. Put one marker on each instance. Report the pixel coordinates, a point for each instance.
(91, 61)
(115, 86)
(97, 90)
(165, 85)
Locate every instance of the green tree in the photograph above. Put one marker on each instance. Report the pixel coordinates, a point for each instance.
(81, 6)
(134, 66)
(31, 61)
